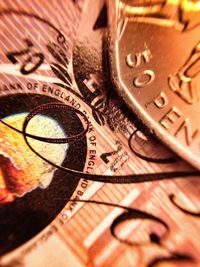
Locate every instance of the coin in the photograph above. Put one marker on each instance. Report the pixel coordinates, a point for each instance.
(155, 58)
(85, 230)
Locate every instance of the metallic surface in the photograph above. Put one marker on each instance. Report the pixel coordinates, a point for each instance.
(80, 234)
(154, 55)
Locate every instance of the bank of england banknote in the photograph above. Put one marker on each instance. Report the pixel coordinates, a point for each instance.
(82, 180)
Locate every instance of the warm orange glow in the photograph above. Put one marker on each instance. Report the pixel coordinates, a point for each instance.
(139, 10)
(187, 5)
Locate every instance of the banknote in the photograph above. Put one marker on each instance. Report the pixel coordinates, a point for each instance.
(82, 180)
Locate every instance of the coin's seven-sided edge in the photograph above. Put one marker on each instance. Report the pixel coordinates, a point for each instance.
(154, 61)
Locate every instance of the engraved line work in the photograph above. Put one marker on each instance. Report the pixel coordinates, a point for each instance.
(132, 178)
(60, 37)
(132, 214)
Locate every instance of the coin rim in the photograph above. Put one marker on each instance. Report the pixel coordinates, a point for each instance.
(134, 105)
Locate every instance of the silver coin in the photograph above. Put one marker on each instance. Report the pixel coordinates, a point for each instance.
(155, 65)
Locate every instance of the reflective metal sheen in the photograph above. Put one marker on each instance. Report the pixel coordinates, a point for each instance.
(155, 66)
